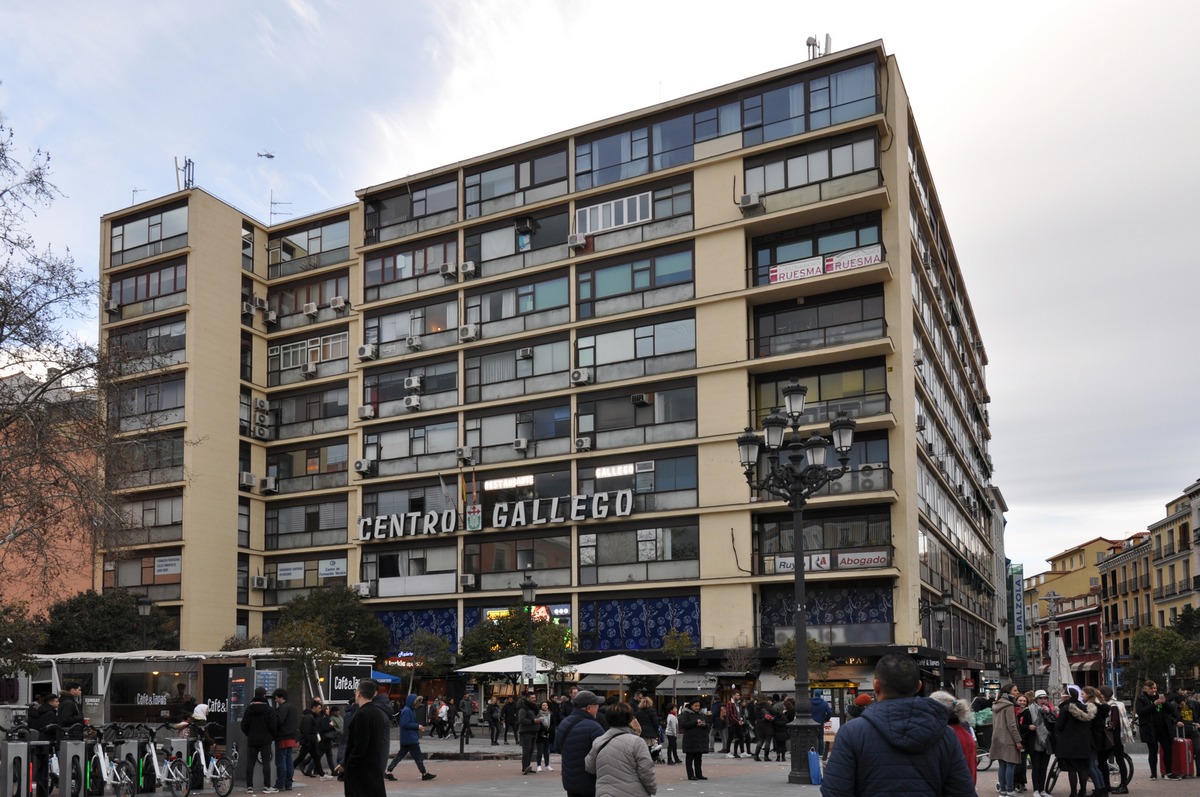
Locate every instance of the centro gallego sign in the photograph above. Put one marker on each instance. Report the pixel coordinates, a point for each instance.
(505, 515)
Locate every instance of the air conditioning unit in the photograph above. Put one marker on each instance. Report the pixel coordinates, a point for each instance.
(525, 226)
(871, 476)
(413, 383)
(310, 309)
(247, 480)
(521, 444)
(929, 449)
(467, 579)
(308, 370)
(918, 361)
(920, 423)
(364, 466)
(271, 318)
(751, 201)
(270, 486)
(642, 399)
(413, 342)
(464, 453)
(576, 241)
(260, 582)
(262, 419)
(366, 412)
(448, 271)
(412, 403)
(583, 444)
(260, 303)
(468, 333)
(339, 303)
(525, 353)
(262, 432)
(467, 269)
(363, 588)
(247, 308)
(368, 351)
(112, 307)
(261, 405)
(581, 376)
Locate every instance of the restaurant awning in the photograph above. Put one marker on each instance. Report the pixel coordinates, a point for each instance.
(690, 683)
(1085, 666)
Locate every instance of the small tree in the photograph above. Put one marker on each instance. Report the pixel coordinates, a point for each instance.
(1154, 650)
(19, 638)
(1187, 623)
(306, 646)
(430, 656)
(351, 626)
(239, 642)
(743, 658)
(678, 645)
(819, 660)
(105, 621)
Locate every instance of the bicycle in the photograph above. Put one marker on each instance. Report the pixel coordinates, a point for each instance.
(171, 771)
(983, 760)
(217, 768)
(118, 774)
(1114, 772)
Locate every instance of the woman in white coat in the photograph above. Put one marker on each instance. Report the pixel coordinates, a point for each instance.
(619, 759)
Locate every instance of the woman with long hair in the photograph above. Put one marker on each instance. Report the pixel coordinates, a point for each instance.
(959, 719)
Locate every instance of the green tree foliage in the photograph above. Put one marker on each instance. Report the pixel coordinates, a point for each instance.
(104, 622)
(306, 644)
(20, 636)
(678, 645)
(1187, 623)
(351, 626)
(239, 642)
(506, 636)
(819, 660)
(1154, 650)
(430, 657)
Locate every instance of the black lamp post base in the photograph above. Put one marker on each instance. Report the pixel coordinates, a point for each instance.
(803, 735)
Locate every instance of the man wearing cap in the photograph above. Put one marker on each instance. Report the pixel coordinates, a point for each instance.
(573, 741)
(527, 728)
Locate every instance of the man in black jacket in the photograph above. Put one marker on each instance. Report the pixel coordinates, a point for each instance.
(527, 728)
(259, 723)
(573, 741)
(70, 711)
(309, 761)
(287, 735)
(1157, 720)
(367, 738)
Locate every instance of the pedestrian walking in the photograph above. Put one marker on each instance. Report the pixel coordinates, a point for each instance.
(366, 745)
(410, 738)
(508, 713)
(958, 717)
(573, 742)
(309, 760)
(492, 712)
(620, 759)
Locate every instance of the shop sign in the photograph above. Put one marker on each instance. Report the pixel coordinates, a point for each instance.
(827, 264)
(331, 568)
(168, 565)
(289, 571)
(862, 559)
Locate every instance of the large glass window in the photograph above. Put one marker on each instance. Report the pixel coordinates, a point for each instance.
(514, 300)
(331, 403)
(380, 386)
(306, 525)
(150, 284)
(385, 216)
(631, 276)
(623, 411)
(148, 398)
(523, 486)
(510, 178)
(150, 233)
(314, 246)
(409, 261)
(831, 320)
(505, 366)
(856, 388)
(399, 325)
(291, 298)
(157, 338)
(543, 423)
(312, 350)
(426, 498)
(813, 162)
(433, 438)
(516, 556)
(660, 203)
(503, 239)
(771, 251)
(651, 340)
(329, 458)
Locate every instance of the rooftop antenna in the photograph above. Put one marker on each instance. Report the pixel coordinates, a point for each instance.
(814, 46)
(188, 172)
(275, 204)
(267, 155)
(136, 191)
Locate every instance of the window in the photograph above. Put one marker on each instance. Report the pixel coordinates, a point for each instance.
(306, 525)
(842, 96)
(662, 475)
(622, 345)
(159, 338)
(505, 366)
(312, 406)
(505, 487)
(622, 278)
(512, 178)
(811, 163)
(290, 299)
(314, 246)
(148, 234)
(434, 438)
(243, 525)
(671, 405)
(381, 386)
(661, 203)
(812, 241)
(614, 546)
(385, 216)
(159, 281)
(515, 300)
(247, 246)
(404, 263)
(544, 423)
(313, 350)
(514, 556)
(417, 561)
(429, 498)
(331, 458)
(411, 321)
(503, 238)
(829, 320)
(156, 453)
(148, 398)
(831, 389)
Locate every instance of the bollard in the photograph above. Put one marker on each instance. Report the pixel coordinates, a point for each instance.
(14, 769)
(73, 756)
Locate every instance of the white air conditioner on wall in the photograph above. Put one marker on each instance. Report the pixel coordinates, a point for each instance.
(448, 270)
(751, 201)
(413, 342)
(581, 376)
(247, 480)
(364, 466)
(525, 353)
(262, 419)
(413, 383)
(261, 405)
(366, 412)
(583, 444)
(270, 486)
(260, 582)
(271, 318)
(521, 444)
(576, 241)
(467, 579)
(112, 306)
(468, 333)
(467, 269)
(464, 453)
(412, 403)
(368, 351)
(308, 370)
(363, 588)
(310, 309)
(339, 303)
(247, 308)
(262, 432)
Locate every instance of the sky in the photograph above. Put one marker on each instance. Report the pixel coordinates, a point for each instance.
(1054, 131)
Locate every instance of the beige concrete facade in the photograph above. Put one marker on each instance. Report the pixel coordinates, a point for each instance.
(674, 299)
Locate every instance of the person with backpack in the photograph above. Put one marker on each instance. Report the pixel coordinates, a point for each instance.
(822, 712)
(258, 724)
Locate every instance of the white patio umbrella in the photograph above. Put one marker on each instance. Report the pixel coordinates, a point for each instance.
(1060, 669)
(508, 664)
(621, 667)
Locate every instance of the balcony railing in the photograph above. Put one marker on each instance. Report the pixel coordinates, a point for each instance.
(820, 338)
(1184, 586)
(1158, 593)
(1144, 581)
(1169, 590)
(1123, 587)
(1169, 549)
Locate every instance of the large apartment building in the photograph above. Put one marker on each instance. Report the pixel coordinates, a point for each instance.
(539, 360)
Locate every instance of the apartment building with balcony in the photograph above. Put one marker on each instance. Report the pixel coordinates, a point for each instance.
(1126, 598)
(1174, 558)
(539, 359)
(1073, 575)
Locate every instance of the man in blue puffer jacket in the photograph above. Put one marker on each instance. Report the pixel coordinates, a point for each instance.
(904, 747)
(410, 737)
(573, 741)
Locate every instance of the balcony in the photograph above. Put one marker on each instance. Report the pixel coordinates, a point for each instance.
(1169, 590)
(1168, 549)
(1184, 586)
(1144, 582)
(1123, 587)
(1158, 593)
(821, 337)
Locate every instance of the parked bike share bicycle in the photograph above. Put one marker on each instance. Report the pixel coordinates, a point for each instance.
(1114, 772)
(167, 765)
(118, 774)
(215, 767)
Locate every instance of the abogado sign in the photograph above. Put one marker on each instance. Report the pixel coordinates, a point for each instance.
(505, 515)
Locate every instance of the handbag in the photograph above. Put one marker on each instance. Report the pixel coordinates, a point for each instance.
(814, 767)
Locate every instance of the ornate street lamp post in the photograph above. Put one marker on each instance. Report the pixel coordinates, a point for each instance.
(790, 478)
(939, 612)
(529, 598)
(143, 609)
